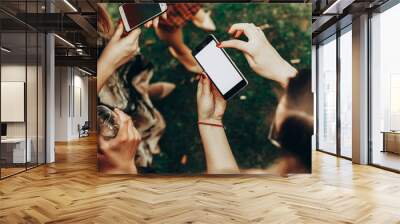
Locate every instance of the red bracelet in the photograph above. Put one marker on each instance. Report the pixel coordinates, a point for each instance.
(210, 124)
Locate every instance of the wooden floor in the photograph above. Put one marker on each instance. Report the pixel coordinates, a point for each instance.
(5, 172)
(71, 191)
(387, 159)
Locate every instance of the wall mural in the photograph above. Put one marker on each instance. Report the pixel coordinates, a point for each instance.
(193, 88)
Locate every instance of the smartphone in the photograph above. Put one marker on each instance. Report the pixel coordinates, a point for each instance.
(134, 15)
(219, 67)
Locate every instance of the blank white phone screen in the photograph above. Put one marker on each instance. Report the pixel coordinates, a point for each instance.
(218, 67)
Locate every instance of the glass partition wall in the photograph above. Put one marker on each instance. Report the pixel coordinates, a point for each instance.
(385, 89)
(334, 84)
(326, 57)
(22, 87)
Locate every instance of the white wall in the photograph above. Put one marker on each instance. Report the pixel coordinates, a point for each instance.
(61, 104)
(16, 73)
(33, 126)
(12, 73)
(70, 83)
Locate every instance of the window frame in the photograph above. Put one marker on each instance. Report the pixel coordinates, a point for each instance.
(336, 35)
(381, 9)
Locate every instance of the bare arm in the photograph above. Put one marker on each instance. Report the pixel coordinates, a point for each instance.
(211, 107)
(218, 153)
(117, 155)
(118, 51)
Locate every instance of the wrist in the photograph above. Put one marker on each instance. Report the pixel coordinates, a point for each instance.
(130, 168)
(217, 121)
(106, 64)
(287, 71)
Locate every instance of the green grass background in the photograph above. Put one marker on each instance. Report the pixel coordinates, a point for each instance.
(247, 121)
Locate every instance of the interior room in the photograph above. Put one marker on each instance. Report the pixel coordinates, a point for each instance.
(22, 99)
(49, 142)
(335, 95)
(46, 83)
(72, 97)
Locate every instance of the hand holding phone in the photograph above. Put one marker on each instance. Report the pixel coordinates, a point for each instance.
(219, 67)
(260, 54)
(210, 103)
(134, 15)
(118, 51)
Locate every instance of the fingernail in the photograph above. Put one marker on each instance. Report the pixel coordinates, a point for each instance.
(219, 45)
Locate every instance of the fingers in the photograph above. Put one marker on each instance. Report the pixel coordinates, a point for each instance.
(206, 85)
(236, 44)
(238, 33)
(133, 36)
(249, 29)
(155, 22)
(131, 130)
(151, 23)
(219, 99)
(106, 146)
(103, 144)
(124, 123)
(118, 32)
(136, 135)
(164, 15)
(217, 95)
(133, 41)
(148, 24)
(200, 87)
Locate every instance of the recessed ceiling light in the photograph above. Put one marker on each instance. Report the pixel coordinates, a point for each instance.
(70, 5)
(65, 41)
(84, 71)
(337, 7)
(5, 50)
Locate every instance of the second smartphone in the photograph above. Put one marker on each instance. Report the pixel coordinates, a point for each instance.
(219, 67)
(134, 15)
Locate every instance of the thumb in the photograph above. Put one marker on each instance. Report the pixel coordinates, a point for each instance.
(118, 32)
(103, 144)
(200, 87)
(216, 93)
(236, 44)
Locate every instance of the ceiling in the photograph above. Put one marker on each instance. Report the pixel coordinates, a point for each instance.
(331, 15)
(75, 21)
